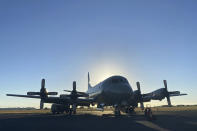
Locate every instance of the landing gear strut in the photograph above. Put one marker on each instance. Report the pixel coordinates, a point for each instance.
(74, 108)
(117, 111)
(148, 114)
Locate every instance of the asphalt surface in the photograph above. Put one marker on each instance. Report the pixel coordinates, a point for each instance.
(96, 121)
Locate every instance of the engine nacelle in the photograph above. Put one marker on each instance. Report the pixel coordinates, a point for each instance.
(158, 94)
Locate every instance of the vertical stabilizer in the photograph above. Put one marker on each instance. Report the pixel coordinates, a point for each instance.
(89, 86)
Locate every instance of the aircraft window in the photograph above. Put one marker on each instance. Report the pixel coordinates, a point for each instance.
(118, 80)
(115, 80)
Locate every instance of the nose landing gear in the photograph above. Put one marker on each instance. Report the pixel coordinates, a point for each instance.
(130, 110)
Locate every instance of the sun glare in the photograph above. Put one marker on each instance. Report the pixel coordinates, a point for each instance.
(102, 71)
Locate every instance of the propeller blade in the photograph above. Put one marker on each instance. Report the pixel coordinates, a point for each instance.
(138, 87)
(41, 104)
(140, 96)
(168, 93)
(165, 84)
(67, 90)
(33, 93)
(43, 83)
(52, 93)
(169, 101)
(74, 85)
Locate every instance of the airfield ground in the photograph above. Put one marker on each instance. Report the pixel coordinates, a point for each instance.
(174, 118)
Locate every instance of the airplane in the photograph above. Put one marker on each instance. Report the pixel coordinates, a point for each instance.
(114, 91)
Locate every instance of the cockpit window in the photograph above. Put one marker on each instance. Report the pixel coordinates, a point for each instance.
(115, 80)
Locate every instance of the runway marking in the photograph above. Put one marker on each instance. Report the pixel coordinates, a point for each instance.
(152, 125)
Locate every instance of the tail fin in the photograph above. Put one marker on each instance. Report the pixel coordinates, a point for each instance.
(89, 86)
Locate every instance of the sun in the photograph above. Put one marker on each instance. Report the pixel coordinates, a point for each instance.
(104, 70)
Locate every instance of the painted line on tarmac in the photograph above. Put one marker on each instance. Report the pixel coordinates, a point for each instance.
(152, 125)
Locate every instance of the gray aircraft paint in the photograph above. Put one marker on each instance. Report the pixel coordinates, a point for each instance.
(115, 90)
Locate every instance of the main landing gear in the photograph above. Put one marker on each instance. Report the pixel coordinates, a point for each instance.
(148, 114)
(117, 111)
(60, 109)
(128, 110)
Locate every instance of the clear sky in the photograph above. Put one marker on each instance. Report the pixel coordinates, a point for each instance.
(143, 40)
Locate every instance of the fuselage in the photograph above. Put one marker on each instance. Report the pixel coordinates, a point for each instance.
(115, 90)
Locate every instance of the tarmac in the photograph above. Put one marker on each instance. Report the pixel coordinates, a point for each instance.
(99, 121)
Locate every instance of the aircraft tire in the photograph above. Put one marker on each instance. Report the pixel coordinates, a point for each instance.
(148, 114)
(70, 112)
(130, 110)
(117, 113)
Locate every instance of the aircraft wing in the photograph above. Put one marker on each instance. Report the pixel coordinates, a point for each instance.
(27, 96)
(177, 95)
(58, 100)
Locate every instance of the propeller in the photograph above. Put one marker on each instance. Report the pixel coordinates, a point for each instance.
(140, 96)
(167, 94)
(43, 93)
(162, 93)
(74, 94)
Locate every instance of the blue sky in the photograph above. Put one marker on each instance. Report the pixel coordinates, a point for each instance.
(145, 41)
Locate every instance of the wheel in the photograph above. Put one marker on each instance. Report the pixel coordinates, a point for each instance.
(70, 112)
(148, 114)
(67, 111)
(130, 110)
(117, 112)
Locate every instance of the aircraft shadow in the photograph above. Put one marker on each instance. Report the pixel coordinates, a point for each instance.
(94, 122)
